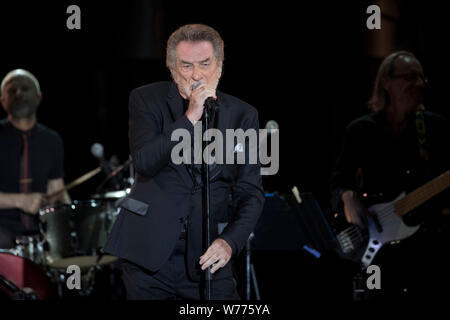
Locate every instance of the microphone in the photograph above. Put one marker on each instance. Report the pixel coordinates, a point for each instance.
(97, 151)
(195, 86)
(271, 125)
(210, 103)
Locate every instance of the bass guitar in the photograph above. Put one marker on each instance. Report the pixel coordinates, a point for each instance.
(385, 222)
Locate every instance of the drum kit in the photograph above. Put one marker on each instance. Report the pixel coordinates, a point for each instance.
(71, 234)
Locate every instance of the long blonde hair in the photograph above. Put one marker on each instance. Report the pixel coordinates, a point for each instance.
(380, 97)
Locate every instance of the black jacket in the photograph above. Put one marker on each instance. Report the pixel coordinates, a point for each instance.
(148, 226)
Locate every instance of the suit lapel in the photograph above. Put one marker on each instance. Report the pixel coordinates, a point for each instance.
(175, 102)
(223, 116)
(176, 109)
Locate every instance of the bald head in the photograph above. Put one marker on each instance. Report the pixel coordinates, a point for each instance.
(21, 73)
(20, 94)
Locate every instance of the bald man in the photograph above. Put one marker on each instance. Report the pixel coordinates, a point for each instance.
(31, 161)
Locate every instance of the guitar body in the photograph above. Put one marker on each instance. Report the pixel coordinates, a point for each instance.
(385, 223)
(385, 226)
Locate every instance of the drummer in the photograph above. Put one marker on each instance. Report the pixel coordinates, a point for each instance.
(31, 161)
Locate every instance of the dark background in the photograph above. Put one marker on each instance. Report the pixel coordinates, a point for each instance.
(308, 65)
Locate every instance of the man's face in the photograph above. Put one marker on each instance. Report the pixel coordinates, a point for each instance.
(406, 85)
(20, 98)
(195, 62)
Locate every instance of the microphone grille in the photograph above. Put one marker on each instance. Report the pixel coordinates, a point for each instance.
(195, 86)
(271, 125)
(97, 150)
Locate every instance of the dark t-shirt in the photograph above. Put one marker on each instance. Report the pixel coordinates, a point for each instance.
(372, 162)
(45, 152)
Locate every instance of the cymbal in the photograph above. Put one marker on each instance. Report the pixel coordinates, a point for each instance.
(112, 194)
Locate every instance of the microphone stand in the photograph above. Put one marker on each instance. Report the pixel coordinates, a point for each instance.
(206, 203)
(112, 175)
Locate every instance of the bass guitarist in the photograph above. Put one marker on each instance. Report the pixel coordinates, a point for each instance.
(397, 148)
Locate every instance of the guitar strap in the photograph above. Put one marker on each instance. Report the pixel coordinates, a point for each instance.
(421, 134)
(422, 139)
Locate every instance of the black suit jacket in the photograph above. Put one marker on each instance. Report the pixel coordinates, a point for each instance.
(148, 226)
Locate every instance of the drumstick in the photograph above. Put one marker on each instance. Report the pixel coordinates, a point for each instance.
(75, 182)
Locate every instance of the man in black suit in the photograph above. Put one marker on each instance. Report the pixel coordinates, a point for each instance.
(159, 232)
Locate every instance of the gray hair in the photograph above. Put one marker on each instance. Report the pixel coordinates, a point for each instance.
(380, 97)
(20, 73)
(194, 33)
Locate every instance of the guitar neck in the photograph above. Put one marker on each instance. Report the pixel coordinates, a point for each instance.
(422, 194)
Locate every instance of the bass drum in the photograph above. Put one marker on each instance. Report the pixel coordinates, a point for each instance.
(74, 234)
(25, 275)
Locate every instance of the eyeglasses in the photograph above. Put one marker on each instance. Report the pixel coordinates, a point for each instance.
(411, 77)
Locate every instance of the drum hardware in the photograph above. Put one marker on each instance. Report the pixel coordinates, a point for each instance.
(87, 282)
(74, 240)
(32, 279)
(113, 175)
(89, 175)
(69, 234)
(17, 293)
(74, 233)
(29, 247)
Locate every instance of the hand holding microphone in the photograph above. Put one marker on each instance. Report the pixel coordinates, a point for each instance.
(200, 94)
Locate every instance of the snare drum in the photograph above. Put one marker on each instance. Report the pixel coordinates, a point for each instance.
(74, 234)
(25, 274)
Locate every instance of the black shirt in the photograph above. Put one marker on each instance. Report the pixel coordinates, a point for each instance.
(45, 156)
(373, 162)
(195, 170)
